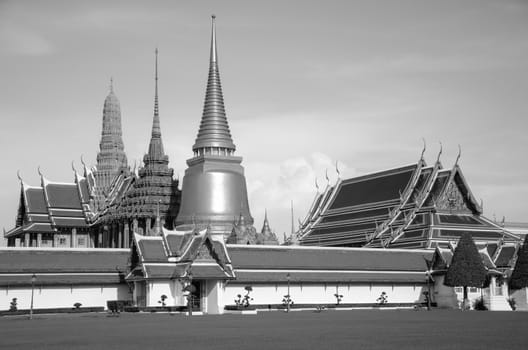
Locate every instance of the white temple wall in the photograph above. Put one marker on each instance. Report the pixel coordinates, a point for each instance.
(321, 293)
(63, 296)
(172, 289)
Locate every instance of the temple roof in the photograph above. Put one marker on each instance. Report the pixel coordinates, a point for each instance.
(415, 206)
(214, 129)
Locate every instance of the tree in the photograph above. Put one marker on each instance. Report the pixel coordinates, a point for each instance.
(519, 277)
(466, 268)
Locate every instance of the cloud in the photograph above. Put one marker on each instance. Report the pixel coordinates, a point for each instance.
(274, 185)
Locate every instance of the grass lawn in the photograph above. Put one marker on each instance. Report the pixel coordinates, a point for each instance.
(357, 329)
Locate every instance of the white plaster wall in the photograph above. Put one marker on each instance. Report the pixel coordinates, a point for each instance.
(64, 296)
(308, 293)
(172, 289)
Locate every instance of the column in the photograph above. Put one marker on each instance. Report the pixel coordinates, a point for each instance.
(148, 229)
(120, 235)
(135, 225)
(73, 242)
(27, 239)
(39, 239)
(126, 234)
(17, 242)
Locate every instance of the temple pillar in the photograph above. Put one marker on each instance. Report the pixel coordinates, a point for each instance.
(162, 225)
(100, 238)
(148, 227)
(39, 239)
(126, 235)
(55, 241)
(73, 242)
(120, 235)
(135, 225)
(17, 242)
(27, 239)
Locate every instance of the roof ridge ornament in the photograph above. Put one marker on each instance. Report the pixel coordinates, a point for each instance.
(440, 152)
(458, 156)
(19, 177)
(39, 172)
(423, 149)
(337, 171)
(316, 185)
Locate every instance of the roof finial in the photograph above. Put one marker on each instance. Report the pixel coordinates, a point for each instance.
(423, 150)
(337, 171)
(18, 175)
(439, 153)
(82, 161)
(39, 172)
(156, 110)
(326, 176)
(316, 185)
(73, 166)
(213, 38)
(292, 222)
(459, 154)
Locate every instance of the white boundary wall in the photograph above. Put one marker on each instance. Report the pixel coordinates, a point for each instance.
(46, 297)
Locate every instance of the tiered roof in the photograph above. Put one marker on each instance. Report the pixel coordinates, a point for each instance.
(111, 159)
(178, 254)
(414, 206)
(53, 205)
(153, 189)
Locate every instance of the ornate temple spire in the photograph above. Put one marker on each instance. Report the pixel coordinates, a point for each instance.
(266, 230)
(214, 129)
(156, 145)
(111, 159)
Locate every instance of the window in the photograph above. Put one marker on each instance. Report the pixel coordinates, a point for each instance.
(62, 241)
(81, 241)
(474, 290)
(459, 290)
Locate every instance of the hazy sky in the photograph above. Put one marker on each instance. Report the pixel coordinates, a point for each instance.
(305, 84)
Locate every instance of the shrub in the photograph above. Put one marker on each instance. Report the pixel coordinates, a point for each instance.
(382, 299)
(338, 297)
(162, 301)
(513, 303)
(466, 268)
(13, 305)
(519, 277)
(77, 305)
(479, 304)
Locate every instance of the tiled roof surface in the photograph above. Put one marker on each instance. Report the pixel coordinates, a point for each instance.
(152, 250)
(35, 260)
(70, 222)
(165, 270)
(36, 200)
(251, 257)
(374, 188)
(505, 256)
(63, 196)
(177, 242)
(57, 279)
(330, 277)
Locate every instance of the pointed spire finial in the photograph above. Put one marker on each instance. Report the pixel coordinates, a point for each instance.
(423, 149)
(440, 152)
(292, 220)
(111, 84)
(459, 154)
(156, 108)
(213, 38)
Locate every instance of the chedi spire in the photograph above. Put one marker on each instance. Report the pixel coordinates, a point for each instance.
(156, 145)
(214, 130)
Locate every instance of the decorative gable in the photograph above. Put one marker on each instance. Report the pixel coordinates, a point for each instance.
(452, 199)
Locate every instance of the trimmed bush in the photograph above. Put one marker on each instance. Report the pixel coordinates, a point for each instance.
(519, 277)
(466, 268)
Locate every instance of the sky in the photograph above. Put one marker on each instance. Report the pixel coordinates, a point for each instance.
(306, 84)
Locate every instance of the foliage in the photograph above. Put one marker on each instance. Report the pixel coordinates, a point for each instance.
(338, 297)
(287, 300)
(382, 299)
(466, 268)
(243, 301)
(519, 277)
(13, 305)
(162, 301)
(513, 303)
(479, 304)
(77, 305)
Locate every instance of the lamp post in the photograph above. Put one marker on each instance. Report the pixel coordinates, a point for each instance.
(288, 300)
(33, 279)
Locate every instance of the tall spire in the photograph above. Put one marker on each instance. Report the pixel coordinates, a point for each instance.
(214, 129)
(156, 145)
